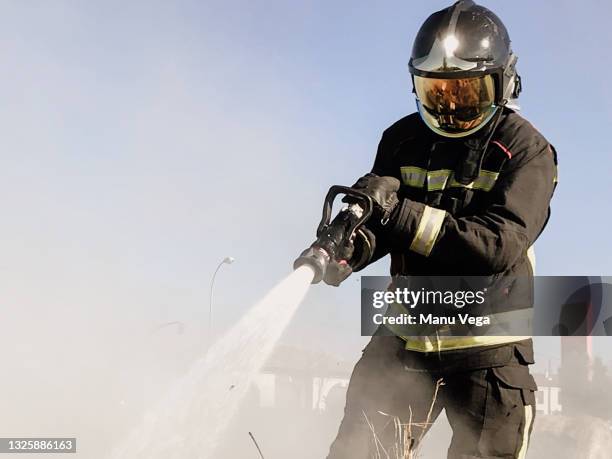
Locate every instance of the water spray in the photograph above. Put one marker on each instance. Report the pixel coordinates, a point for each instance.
(208, 397)
(190, 420)
(329, 254)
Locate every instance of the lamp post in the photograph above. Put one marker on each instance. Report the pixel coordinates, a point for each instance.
(225, 261)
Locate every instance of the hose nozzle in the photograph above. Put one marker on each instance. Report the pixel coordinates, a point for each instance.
(328, 256)
(317, 259)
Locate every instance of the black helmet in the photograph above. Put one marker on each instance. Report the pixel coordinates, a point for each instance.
(463, 69)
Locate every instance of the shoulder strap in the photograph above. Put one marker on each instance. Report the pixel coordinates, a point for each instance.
(469, 168)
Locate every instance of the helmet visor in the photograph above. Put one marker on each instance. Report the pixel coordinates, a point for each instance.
(455, 107)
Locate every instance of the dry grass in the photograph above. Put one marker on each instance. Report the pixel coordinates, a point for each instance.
(406, 444)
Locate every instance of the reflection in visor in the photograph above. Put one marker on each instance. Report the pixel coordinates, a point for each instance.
(458, 106)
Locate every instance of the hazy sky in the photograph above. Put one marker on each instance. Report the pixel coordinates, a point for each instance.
(142, 142)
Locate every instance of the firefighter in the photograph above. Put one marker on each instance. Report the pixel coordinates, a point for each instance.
(460, 188)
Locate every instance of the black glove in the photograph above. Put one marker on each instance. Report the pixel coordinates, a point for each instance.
(393, 222)
(364, 247)
(383, 191)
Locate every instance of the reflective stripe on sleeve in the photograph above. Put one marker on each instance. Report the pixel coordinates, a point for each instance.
(428, 230)
(413, 176)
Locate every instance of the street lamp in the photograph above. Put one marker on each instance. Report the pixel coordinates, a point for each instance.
(225, 261)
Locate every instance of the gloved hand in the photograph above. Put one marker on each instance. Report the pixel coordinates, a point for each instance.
(383, 191)
(393, 222)
(364, 247)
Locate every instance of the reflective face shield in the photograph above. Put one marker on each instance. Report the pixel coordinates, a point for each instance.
(455, 107)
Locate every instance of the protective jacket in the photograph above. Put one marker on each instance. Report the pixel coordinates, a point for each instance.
(469, 207)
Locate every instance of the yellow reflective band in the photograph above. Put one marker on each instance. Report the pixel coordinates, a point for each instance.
(413, 176)
(428, 230)
(485, 181)
(441, 343)
(441, 179)
(437, 180)
(522, 454)
(449, 343)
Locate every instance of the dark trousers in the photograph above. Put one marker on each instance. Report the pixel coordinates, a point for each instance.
(490, 408)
